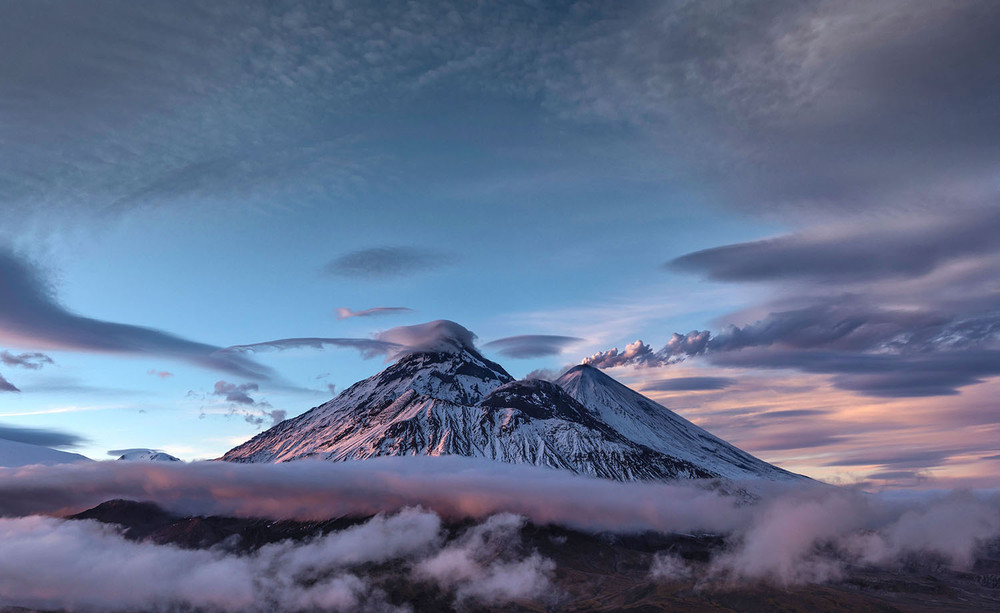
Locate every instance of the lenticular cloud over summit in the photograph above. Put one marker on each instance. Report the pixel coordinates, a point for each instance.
(434, 336)
(442, 336)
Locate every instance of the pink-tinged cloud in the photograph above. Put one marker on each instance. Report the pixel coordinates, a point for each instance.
(801, 533)
(635, 354)
(84, 565)
(454, 487)
(163, 374)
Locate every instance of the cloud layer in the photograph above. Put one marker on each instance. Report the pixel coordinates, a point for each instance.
(802, 105)
(346, 313)
(905, 309)
(385, 262)
(40, 436)
(789, 535)
(531, 345)
(441, 335)
(52, 564)
(908, 247)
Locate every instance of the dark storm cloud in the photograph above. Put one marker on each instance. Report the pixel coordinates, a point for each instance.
(31, 361)
(30, 315)
(40, 436)
(346, 313)
(531, 345)
(689, 384)
(899, 249)
(385, 262)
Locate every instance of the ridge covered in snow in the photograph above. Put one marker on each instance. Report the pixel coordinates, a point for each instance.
(651, 424)
(143, 455)
(456, 402)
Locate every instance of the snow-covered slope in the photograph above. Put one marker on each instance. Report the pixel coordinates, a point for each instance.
(146, 455)
(651, 424)
(346, 426)
(460, 403)
(15, 453)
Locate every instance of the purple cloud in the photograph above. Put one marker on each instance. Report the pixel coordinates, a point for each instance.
(531, 345)
(368, 347)
(253, 411)
(346, 313)
(31, 361)
(236, 393)
(637, 353)
(441, 335)
(385, 262)
(906, 249)
(689, 384)
(7, 386)
(40, 436)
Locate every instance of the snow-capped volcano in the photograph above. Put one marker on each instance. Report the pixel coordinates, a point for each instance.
(456, 402)
(649, 423)
(143, 455)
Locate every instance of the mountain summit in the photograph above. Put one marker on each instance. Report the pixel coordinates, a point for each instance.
(651, 424)
(456, 402)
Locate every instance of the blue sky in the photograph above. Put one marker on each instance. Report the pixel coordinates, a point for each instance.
(234, 173)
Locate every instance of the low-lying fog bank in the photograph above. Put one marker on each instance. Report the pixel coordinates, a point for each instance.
(465, 533)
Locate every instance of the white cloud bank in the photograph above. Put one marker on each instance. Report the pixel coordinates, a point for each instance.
(85, 565)
(792, 534)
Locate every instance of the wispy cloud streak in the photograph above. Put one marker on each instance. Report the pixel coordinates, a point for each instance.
(30, 316)
(346, 313)
(531, 345)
